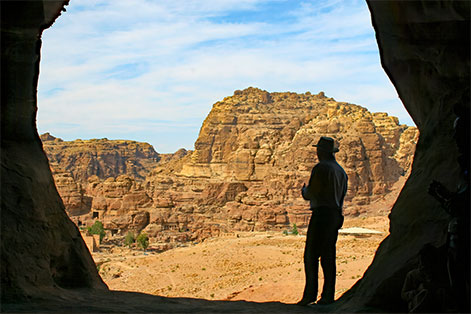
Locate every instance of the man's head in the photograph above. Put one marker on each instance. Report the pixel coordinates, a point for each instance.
(326, 148)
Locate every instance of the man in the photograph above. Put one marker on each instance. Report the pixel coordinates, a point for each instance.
(326, 191)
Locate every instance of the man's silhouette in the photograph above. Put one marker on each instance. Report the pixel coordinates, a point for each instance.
(326, 191)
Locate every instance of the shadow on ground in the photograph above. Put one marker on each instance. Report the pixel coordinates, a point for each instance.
(86, 301)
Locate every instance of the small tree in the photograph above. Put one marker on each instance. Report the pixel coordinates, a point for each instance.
(143, 240)
(97, 228)
(129, 239)
(295, 230)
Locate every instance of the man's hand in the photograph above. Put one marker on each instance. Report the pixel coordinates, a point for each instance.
(305, 190)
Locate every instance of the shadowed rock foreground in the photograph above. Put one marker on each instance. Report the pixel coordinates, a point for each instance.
(424, 49)
(87, 301)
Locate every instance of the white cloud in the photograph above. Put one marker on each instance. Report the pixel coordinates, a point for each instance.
(107, 65)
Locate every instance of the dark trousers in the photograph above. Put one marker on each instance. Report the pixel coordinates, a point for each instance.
(321, 239)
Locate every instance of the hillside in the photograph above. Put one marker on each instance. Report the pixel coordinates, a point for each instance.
(253, 154)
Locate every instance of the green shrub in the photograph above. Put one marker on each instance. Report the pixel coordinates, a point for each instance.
(294, 230)
(142, 240)
(97, 228)
(129, 239)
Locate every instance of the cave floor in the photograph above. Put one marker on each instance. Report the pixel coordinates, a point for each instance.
(87, 301)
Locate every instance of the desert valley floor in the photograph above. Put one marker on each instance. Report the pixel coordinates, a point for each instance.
(255, 266)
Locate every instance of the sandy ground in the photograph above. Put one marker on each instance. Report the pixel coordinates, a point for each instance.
(256, 266)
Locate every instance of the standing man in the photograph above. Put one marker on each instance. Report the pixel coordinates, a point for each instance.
(326, 191)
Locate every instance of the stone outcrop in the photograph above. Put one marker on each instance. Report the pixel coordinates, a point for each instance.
(103, 180)
(253, 154)
(101, 157)
(424, 49)
(94, 176)
(263, 141)
(42, 252)
(72, 193)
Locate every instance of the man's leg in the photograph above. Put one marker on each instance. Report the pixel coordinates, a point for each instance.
(328, 261)
(330, 270)
(311, 264)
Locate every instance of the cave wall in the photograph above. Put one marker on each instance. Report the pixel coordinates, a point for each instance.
(425, 51)
(424, 48)
(41, 249)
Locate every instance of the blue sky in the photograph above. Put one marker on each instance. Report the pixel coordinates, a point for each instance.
(150, 70)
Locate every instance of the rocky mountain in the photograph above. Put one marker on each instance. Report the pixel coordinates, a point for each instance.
(76, 163)
(253, 154)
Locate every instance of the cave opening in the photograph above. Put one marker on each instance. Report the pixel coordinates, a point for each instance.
(36, 231)
(357, 237)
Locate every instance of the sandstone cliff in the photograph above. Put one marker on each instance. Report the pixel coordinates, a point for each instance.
(253, 154)
(259, 136)
(78, 167)
(101, 157)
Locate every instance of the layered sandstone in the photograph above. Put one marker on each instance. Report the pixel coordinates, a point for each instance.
(93, 176)
(266, 138)
(100, 157)
(253, 154)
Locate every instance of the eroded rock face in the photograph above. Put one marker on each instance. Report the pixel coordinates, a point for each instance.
(100, 157)
(72, 193)
(42, 251)
(101, 176)
(252, 156)
(260, 136)
(262, 143)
